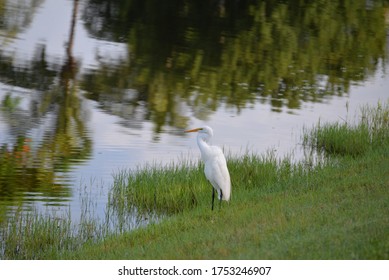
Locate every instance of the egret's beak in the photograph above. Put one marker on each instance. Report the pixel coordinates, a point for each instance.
(193, 130)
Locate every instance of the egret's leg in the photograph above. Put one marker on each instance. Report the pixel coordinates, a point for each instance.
(213, 196)
(220, 199)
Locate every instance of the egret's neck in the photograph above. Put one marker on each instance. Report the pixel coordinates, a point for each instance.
(204, 146)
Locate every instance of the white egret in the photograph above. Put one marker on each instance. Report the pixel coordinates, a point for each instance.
(215, 165)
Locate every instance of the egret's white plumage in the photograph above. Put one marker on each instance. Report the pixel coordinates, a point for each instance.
(215, 165)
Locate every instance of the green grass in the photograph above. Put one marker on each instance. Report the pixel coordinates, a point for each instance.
(334, 208)
(34, 235)
(180, 187)
(344, 139)
(336, 212)
(161, 189)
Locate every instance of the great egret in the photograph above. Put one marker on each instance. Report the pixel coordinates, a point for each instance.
(215, 165)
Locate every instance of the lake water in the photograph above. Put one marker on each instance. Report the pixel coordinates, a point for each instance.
(92, 87)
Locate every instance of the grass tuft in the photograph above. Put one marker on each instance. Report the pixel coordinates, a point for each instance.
(176, 188)
(343, 139)
(340, 139)
(163, 189)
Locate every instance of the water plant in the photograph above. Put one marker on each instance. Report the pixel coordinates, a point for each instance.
(348, 139)
(165, 189)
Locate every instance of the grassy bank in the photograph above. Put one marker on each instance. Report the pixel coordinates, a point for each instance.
(338, 212)
(333, 208)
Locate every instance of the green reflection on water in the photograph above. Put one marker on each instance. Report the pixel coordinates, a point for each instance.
(234, 52)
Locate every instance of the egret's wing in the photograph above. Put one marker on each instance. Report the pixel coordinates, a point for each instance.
(217, 173)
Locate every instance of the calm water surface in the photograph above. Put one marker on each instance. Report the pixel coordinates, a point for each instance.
(91, 87)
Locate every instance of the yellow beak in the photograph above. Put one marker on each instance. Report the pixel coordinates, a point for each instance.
(193, 130)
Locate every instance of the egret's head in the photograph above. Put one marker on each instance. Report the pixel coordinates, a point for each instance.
(204, 132)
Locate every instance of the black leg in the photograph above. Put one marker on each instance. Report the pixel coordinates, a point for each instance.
(213, 196)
